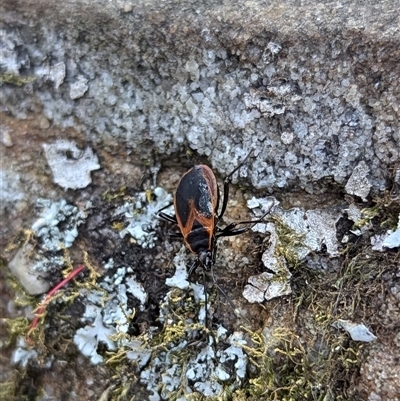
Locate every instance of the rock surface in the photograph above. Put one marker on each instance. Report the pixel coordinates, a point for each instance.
(218, 79)
(313, 88)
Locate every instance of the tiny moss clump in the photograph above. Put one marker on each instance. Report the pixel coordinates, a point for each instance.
(18, 325)
(288, 242)
(14, 79)
(111, 196)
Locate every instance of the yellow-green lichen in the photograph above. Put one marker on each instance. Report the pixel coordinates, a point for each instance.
(111, 196)
(14, 79)
(288, 242)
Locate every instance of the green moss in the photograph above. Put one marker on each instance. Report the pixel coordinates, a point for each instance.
(288, 243)
(7, 390)
(17, 326)
(14, 79)
(285, 367)
(111, 196)
(382, 214)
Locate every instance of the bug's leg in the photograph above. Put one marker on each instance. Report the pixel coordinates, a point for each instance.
(165, 207)
(170, 219)
(205, 299)
(217, 204)
(231, 229)
(193, 267)
(214, 253)
(175, 235)
(227, 182)
(167, 217)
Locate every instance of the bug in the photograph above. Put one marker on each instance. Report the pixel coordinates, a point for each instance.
(196, 203)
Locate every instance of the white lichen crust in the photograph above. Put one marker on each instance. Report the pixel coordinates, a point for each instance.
(142, 216)
(71, 167)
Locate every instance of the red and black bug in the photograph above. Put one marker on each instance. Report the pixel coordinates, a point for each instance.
(196, 203)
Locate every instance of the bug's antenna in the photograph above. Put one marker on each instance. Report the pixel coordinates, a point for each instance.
(238, 166)
(226, 296)
(209, 329)
(205, 299)
(227, 181)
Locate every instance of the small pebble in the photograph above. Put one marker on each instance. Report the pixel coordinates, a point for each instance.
(44, 123)
(6, 138)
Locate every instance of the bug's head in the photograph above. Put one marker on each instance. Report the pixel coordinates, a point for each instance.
(205, 259)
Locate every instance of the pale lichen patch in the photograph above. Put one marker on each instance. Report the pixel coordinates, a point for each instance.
(71, 167)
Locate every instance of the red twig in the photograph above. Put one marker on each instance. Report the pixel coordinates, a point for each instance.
(44, 304)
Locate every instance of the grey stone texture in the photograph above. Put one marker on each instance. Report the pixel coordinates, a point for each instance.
(312, 86)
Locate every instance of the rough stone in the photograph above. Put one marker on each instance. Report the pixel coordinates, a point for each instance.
(32, 280)
(380, 375)
(216, 79)
(358, 183)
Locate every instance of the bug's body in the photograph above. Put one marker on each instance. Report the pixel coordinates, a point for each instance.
(196, 204)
